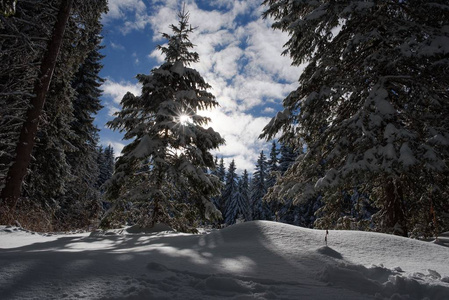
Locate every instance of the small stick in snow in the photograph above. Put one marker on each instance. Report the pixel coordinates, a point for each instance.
(325, 237)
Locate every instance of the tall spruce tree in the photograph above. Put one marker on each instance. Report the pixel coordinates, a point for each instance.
(371, 107)
(109, 162)
(105, 163)
(221, 174)
(230, 194)
(80, 204)
(221, 170)
(63, 172)
(243, 201)
(259, 189)
(169, 154)
(272, 165)
(288, 157)
(216, 199)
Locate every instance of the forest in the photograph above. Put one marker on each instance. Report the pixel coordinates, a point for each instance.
(361, 144)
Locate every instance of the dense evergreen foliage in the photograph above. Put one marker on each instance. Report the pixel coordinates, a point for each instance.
(371, 108)
(59, 188)
(362, 143)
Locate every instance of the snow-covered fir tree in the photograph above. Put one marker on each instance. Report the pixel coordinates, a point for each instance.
(169, 154)
(273, 172)
(67, 186)
(221, 170)
(272, 165)
(105, 163)
(230, 195)
(371, 107)
(244, 198)
(260, 210)
(80, 204)
(216, 199)
(287, 157)
(109, 162)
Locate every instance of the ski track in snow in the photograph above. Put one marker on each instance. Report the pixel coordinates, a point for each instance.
(254, 260)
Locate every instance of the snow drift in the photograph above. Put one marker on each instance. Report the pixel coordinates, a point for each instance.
(253, 260)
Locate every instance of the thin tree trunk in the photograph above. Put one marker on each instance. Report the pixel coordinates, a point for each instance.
(16, 173)
(394, 207)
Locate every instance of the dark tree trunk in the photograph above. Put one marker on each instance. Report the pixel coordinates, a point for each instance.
(16, 173)
(395, 218)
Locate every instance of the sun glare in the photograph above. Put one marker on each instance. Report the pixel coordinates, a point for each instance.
(185, 119)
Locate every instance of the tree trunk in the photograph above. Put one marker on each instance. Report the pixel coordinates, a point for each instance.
(16, 173)
(394, 207)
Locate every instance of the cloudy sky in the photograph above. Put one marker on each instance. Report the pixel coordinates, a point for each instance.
(240, 57)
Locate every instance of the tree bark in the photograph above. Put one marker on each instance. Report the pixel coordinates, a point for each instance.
(16, 173)
(394, 207)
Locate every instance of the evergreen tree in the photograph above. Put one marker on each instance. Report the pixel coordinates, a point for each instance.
(273, 173)
(272, 164)
(244, 197)
(109, 161)
(216, 199)
(105, 163)
(80, 203)
(18, 71)
(64, 172)
(49, 171)
(230, 195)
(259, 189)
(11, 191)
(86, 104)
(221, 171)
(169, 151)
(221, 174)
(101, 164)
(245, 192)
(288, 156)
(371, 107)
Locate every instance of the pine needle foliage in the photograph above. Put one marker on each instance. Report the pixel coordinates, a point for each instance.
(371, 108)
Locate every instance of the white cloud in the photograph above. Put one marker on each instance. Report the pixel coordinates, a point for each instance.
(113, 93)
(241, 131)
(112, 109)
(116, 90)
(269, 110)
(117, 46)
(133, 14)
(264, 51)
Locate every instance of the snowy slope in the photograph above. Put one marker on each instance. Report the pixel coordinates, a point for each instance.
(253, 260)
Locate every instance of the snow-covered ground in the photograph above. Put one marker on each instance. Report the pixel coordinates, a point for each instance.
(254, 260)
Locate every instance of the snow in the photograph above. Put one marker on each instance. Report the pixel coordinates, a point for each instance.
(252, 260)
(144, 148)
(406, 157)
(178, 68)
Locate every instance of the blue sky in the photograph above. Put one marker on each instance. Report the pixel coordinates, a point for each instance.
(240, 57)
